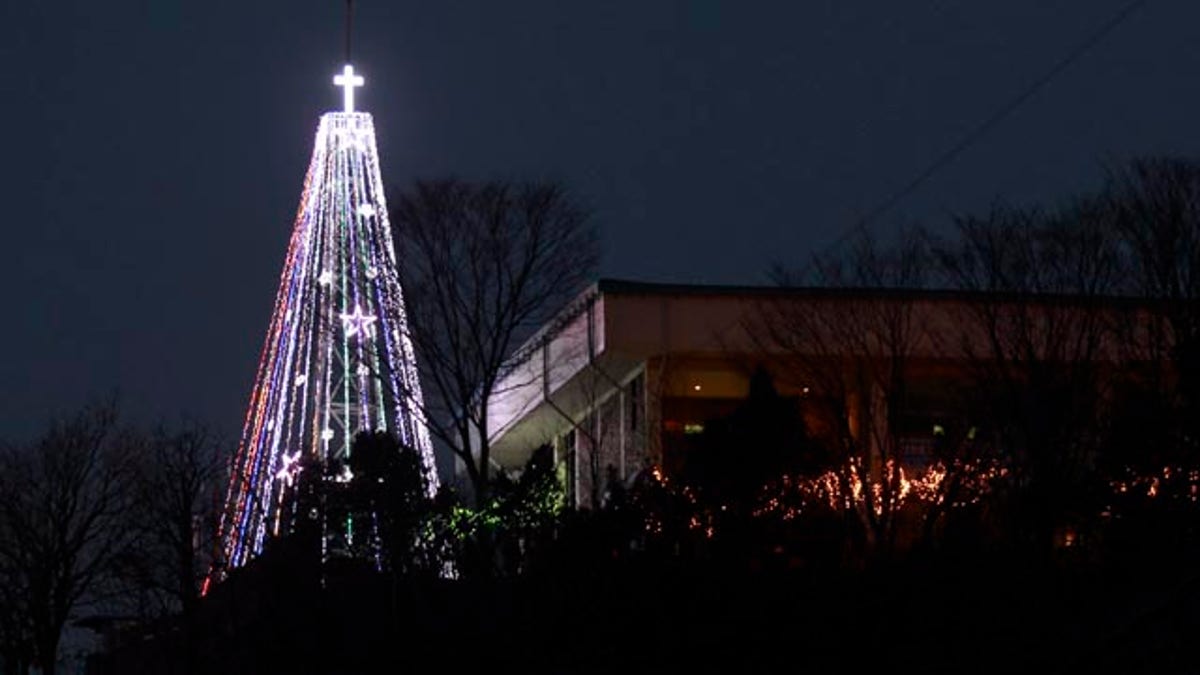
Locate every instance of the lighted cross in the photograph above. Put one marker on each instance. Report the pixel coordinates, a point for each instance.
(348, 81)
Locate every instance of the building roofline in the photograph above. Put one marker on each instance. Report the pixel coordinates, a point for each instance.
(628, 287)
(609, 286)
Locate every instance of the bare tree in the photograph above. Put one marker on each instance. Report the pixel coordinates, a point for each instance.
(1156, 207)
(16, 630)
(852, 341)
(483, 265)
(61, 506)
(177, 486)
(1034, 333)
(594, 462)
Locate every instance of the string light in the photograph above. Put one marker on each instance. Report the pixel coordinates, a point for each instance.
(324, 376)
(291, 467)
(358, 323)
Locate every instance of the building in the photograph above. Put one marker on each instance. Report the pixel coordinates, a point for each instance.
(629, 374)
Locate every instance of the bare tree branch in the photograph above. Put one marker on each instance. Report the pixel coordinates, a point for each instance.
(62, 501)
(482, 266)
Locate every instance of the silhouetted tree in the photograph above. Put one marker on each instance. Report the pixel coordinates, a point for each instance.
(596, 450)
(763, 439)
(1034, 331)
(387, 499)
(484, 265)
(527, 509)
(1152, 441)
(520, 517)
(16, 630)
(852, 342)
(177, 484)
(1156, 207)
(62, 503)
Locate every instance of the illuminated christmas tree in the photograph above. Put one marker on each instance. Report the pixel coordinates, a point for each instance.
(337, 359)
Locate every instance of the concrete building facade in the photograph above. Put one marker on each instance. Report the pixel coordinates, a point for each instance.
(628, 375)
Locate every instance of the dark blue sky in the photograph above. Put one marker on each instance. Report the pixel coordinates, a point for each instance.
(155, 150)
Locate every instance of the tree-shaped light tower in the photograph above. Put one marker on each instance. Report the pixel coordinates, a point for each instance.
(337, 359)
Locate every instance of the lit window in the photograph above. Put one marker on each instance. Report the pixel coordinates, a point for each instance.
(693, 428)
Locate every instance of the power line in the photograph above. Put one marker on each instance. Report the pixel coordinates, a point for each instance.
(987, 124)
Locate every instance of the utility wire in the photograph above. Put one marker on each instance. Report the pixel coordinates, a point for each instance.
(984, 127)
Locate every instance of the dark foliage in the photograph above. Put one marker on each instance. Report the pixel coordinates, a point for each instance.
(764, 438)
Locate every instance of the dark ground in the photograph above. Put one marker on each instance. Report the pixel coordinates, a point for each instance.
(980, 614)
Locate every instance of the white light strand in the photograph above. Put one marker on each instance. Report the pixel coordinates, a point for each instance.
(336, 359)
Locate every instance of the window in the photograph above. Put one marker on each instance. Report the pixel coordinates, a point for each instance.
(635, 401)
(568, 449)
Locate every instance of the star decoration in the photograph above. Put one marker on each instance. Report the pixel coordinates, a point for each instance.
(357, 323)
(291, 468)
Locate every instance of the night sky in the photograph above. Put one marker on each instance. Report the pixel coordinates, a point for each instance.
(156, 149)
